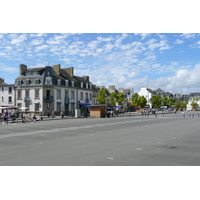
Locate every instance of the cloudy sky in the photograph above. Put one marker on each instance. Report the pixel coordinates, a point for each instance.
(125, 44)
(129, 60)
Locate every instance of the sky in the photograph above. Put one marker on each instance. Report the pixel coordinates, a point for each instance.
(170, 61)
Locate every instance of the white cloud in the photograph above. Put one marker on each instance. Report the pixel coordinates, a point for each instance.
(178, 41)
(36, 42)
(182, 80)
(143, 35)
(39, 48)
(162, 45)
(119, 39)
(187, 35)
(102, 39)
(18, 39)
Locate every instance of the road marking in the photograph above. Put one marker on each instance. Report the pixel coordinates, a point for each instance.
(110, 158)
(68, 129)
(138, 149)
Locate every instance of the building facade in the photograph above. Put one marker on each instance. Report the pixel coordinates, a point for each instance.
(7, 95)
(51, 90)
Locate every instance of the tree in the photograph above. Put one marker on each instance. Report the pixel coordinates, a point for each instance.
(156, 101)
(101, 95)
(180, 104)
(142, 101)
(171, 102)
(164, 101)
(120, 98)
(135, 100)
(194, 105)
(113, 98)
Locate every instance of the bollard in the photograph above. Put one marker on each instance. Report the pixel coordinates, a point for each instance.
(163, 114)
(198, 114)
(193, 115)
(189, 115)
(155, 115)
(183, 115)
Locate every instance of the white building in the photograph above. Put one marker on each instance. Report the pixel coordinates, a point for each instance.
(147, 93)
(50, 90)
(193, 99)
(7, 95)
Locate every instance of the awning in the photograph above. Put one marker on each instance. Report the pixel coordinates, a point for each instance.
(87, 105)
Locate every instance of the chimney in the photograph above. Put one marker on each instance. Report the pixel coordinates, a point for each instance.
(70, 71)
(87, 78)
(22, 69)
(1, 80)
(57, 69)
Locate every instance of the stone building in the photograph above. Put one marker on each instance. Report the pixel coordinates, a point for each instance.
(51, 89)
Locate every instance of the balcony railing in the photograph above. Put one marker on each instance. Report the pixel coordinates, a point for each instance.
(26, 98)
(48, 98)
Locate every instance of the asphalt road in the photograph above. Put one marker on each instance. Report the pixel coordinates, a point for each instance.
(171, 140)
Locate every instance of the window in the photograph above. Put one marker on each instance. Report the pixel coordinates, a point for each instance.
(2, 99)
(27, 93)
(58, 94)
(37, 106)
(37, 94)
(90, 96)
(27, 105)
(81, 95)
(10, 90)
(37, 81)
(18, 83)
(58, 107)
(48, 106)
(2, 89)
(72, 95)
(27, 82)
(66, 93)
(9, 99)
(19, 94)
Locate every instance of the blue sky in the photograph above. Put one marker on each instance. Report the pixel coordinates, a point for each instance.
(170, 61)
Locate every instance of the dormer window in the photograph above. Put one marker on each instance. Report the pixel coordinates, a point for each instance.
(37, 81)
(27, 81)
(48, 81)
(58, 81)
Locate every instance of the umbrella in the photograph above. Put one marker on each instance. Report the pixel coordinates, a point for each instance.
(23, 108)
(4, 107)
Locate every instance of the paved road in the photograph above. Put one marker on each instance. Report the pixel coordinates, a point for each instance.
(118, 141)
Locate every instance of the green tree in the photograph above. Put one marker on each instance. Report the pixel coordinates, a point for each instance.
(164, 101)
(113, 98)
(120, 98)
(142, 101)
(171, 102)
(194, 105)
(156, 101)
(135, 99)
(101, 95)
(180, 104)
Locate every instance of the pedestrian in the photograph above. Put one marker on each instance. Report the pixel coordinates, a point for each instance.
(34, 118)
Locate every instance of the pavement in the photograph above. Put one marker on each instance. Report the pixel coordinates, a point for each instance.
(129, 140)
(126, 114)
